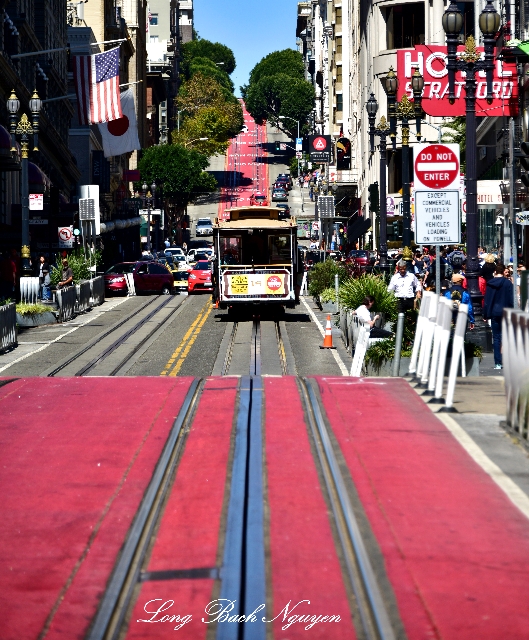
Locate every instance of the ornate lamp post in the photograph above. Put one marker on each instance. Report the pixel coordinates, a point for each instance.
(148, 199)
(24, 128)
(470, 63)
(404, 111)
(382, 131)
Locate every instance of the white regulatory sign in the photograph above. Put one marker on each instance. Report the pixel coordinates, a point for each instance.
(437, 217)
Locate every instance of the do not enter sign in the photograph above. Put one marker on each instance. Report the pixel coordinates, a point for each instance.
(436, 166)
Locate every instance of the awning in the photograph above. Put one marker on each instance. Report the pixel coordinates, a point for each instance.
(37, 179)
(7, 162)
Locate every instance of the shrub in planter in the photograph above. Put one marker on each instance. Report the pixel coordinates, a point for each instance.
(80, 264)
(328, 295)
(353, 291)
(321, 277)
(25, 309)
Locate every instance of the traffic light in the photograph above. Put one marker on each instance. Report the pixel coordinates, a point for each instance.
(277, 146)
(374, 198)
(396, 230)
(524, 161)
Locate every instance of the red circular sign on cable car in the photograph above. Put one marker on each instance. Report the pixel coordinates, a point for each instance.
(436, 166)
(274, 283)
(319, 143)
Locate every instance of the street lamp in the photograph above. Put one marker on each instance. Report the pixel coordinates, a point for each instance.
(470, 63)
(404, 111)
(24, 128)
(186, 144)
(148, 199)
(293, 120)
(382, 131)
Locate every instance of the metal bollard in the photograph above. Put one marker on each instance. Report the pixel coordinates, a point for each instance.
(336, 290)
(398, 344)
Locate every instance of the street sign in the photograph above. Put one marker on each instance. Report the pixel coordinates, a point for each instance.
(320, 148)
(326, 206)
(299, 144)
(283, 146)
(316, 226)
(65, 237)
(436, 166)
(522, 217)
(36, 201)
(437, 217)
(299, 155)
(87, 209)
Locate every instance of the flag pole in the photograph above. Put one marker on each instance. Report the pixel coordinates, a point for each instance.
(77, 48)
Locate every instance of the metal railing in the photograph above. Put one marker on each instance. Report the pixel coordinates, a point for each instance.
(515, 339)
(29, 290)
(84, 295)
(98, 290)
(66, 299)
(8, 326)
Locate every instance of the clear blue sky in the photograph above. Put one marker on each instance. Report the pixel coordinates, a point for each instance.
(251, 29)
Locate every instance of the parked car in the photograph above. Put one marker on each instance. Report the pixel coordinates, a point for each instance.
(288, 177)
(180, 280)
(279, 195)
(204, 227)
(284, 212)
(359, 256)
(148, 277)
(200, 277)
(283, 181)
(258, 200)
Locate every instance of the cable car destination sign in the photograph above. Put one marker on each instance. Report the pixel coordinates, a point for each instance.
(436, 181)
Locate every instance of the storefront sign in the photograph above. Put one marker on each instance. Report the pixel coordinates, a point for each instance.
(431, 61)
(261, 284)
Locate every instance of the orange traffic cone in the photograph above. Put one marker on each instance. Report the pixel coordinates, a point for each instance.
(327, 342)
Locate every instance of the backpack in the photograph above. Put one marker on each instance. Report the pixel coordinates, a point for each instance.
(456, 296)
(457, 259)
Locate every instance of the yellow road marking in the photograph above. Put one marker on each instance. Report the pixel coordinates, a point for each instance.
(191, 336)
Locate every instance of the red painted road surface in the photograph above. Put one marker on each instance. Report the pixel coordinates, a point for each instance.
(76, 455)
(245, 166)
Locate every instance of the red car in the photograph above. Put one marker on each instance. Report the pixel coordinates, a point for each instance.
(200, 278)
(359, 256)
(258, 200)
(149, 277)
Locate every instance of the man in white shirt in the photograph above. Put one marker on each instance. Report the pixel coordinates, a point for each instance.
(404, 285)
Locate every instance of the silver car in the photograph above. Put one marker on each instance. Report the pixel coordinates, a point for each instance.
(204, 227)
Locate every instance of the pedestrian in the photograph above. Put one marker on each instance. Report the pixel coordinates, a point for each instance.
(46, 282)
(487, 270)
(67, 275)
(459, 295)
(498, 296)
(363, 313)
(41, 266)
(404, 284)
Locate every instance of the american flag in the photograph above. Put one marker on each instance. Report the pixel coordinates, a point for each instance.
(97, 87)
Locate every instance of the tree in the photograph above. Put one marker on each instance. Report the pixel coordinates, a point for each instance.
(209, 69)
(179, 170)
(277, 86)
(457, 135)
(214, 51)
(207, 113)
(280, 94)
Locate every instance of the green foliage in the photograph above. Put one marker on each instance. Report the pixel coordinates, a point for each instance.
(321, 277)
(25, 309)
(354, 290)
(4, 301)
(457, 134)
(209, 69)
(277, 87)
(80, 264)
(293, 167)
(180, 170)
(214, 51)
(208, 110)
(328, 295)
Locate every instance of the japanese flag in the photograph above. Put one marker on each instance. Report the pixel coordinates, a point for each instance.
(121, 135)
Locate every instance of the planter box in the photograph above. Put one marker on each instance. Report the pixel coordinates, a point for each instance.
(329, 307)
(36, 320)
(385, 371)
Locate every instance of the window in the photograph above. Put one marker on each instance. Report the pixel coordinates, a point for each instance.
(339, 44)
(338, 16)
(339, 77)
(153, 20)
(279, 249)
(405, 25)
(153, 38)
(467, 10)
(339, 102)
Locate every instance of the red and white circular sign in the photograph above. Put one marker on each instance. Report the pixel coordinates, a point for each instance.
(65, 234)
(436, 166)
(320, 144)
(274, 283)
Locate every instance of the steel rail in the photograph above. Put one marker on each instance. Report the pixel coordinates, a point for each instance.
(229, 351)
(98, 339)
(117, 597)
(117, 343)
(255, 349)
(375, 620)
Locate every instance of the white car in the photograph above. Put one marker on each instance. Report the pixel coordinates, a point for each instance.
(204, 227)
(177, 253)
(191, 259)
